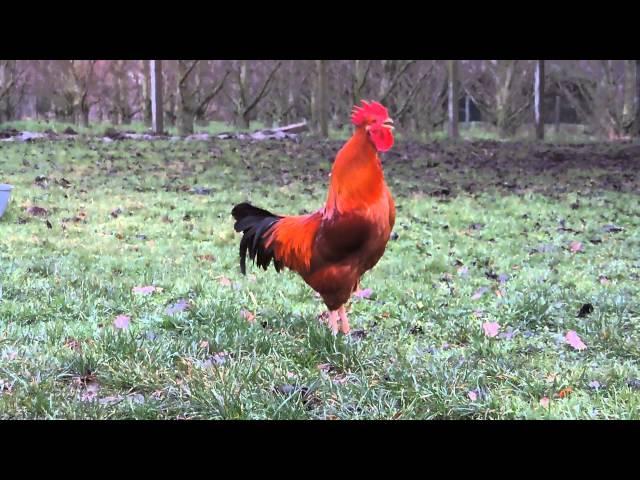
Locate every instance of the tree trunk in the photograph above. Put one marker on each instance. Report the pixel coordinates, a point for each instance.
(201, 119)
(637, 125)
(538, 103)
(467, 110)
(184, 93)
(156, 96)
(453, 99)
(323, 98)
(85, 115)
(357, 81)
(125, 112)
(556, 115)
(185, 121)
(503, 99)
(146, 93)
(628, 107)
(117, 97)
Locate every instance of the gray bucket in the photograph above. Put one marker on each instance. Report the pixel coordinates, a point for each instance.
(5, 193)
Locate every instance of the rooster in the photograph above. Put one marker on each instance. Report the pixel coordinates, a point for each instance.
(334, 246)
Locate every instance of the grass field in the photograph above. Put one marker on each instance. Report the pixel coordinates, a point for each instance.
(540, 239)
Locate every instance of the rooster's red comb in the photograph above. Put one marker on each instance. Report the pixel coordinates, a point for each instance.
(368, 112)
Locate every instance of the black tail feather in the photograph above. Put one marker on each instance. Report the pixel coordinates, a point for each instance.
(254, 222)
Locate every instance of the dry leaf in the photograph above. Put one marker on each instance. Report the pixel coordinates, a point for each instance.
(248, 316)
(121, 322)
(574, 340)
(90, 392)
(565, 392)
(478, 293)
(146, 290)
(365, 293)
(575, 247)
(37, 211)
(490, 329)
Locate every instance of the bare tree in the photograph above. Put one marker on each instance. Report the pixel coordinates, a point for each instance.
(13, 83)
(453, 98)
(637, 124)
(598, 92)
(323, 98)
(422, 103)
(146, 92)
(393, 71)
(184, 94)
(502, 91)
(194, 95)
(359, 79)
(83, 75)
(157, 109)
(206, 92)
(538, 107)
(244, 100)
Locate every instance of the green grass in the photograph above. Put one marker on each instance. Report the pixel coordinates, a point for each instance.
(97, 128)
(474, 131)
(424, 349)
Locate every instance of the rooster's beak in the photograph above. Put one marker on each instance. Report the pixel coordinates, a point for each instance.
(388, 123)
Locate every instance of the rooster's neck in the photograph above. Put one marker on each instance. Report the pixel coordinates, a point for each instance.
(357, 179)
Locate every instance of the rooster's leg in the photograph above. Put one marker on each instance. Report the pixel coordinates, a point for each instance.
(333, 321)
(344, 321)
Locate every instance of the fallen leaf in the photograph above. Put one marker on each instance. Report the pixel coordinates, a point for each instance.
(90, 392)
(326, 367)
(37, 211)
(574, 340)
(565, 392)
(111, 400)
(136, 398)
(479, 293)
(358, 334)
(612, 228)
(73, 344)
(490, 329)
(595, 385)
(575, 247)
(121, 322)
(146, 290)
(634, 383)
(180, 306)
(366, 293)
(248, 316)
